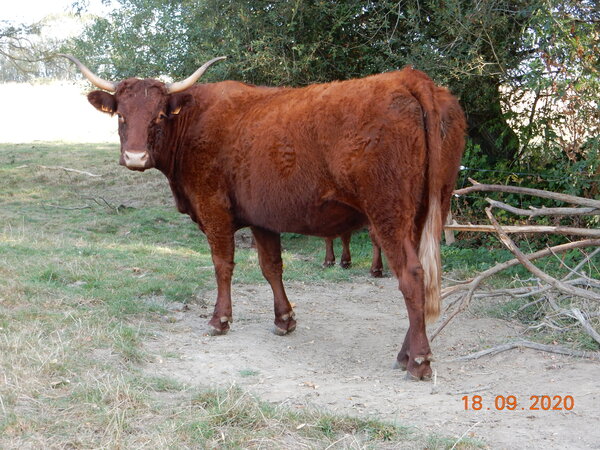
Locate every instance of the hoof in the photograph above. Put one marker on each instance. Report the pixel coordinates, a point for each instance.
(377, 273)
(219, 326)
(327, 264)
(399, 365)
(345, 264)
(410, 377)
(419, 368)
(281, 332)
(285, 324)
(212, 331)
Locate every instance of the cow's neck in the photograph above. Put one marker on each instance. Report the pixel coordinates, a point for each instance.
(171, 147)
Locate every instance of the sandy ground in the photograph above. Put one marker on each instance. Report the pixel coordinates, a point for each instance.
(340, 357)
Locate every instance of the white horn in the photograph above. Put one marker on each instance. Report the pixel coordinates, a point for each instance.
(94, 79)
(179, 86)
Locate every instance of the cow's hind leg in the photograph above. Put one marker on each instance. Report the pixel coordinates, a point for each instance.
(376, 262)
(346, 258)
(268, 245)
(412, 286)
(415, 355)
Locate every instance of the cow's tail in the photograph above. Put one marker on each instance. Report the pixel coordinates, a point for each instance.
(429, 248)
(429, 255)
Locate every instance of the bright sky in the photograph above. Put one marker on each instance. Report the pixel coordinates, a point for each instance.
(28, 11)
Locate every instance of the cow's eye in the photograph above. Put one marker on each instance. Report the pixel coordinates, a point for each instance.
(121, 118)
(162, 116)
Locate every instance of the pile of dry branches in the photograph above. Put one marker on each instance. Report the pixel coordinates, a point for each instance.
(578, 286)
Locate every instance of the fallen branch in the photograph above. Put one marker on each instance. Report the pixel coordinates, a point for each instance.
(67, 169)
(546, 229)
(528, 291)
(585, 323)
(571, 290)
(472, 285)
(527, 305)
(69, 208)
(535, 212)
(533, 345)
(575, 313)
(528, 191)
(105, 203)
(580, 281)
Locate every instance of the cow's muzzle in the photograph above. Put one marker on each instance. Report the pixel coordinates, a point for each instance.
(136, 160)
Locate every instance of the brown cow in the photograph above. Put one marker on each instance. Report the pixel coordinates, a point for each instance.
(346, 258)
(321, 160)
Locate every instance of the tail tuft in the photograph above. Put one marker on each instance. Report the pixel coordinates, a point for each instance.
(429, 255)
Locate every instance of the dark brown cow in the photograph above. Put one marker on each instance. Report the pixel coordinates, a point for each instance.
(346, 258)
(323, 160)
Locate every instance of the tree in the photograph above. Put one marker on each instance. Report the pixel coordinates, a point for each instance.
(477, 48)
(27, 50)
(16, 50)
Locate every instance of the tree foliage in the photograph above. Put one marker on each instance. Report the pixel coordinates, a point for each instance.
(27, 50)
(526, 71)
(17, 51)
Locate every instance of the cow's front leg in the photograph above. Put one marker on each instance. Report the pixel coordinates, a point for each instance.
(268, 245)
(222, 251)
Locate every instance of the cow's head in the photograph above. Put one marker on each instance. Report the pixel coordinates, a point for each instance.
(143, 107)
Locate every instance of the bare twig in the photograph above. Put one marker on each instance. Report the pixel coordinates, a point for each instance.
(576, 314)
(585, 323)
(533, 345)
(535, 212)
(68, 169)
(69, 208)
(580, 281)
(582, 263)
(473, 389)
(527, 305)
(528, 191)
(464, 434)
(572, 290)
(569, 231)
(571, 271)
(104, 202)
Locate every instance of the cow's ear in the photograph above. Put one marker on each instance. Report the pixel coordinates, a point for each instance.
(179, 101)
(103, 101)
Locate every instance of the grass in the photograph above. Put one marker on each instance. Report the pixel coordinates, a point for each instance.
(88, 265)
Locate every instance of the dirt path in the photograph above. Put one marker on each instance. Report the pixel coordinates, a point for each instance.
(340, 359)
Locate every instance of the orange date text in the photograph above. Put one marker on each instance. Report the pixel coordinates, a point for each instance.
(512, 403)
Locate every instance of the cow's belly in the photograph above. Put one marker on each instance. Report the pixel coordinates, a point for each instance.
(327, 219)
